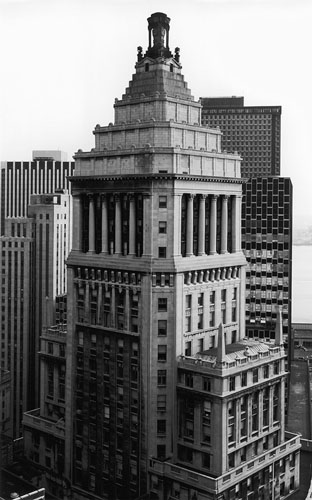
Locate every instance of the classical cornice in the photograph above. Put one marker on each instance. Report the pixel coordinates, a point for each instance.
(158, 177)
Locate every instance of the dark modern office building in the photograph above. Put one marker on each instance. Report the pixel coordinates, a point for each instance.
(253, 131)
(267, 244)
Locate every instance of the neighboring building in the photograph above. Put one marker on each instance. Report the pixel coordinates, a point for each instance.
(49, 155)
(267, 244)
(164, 395)
(301, 340)
(253, 131)
(5, 397)
(20, 179)
(13, 487)
(33, 256)
(43, 428)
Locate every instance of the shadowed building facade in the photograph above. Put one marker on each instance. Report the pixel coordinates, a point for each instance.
(155, 387)
(253, 131)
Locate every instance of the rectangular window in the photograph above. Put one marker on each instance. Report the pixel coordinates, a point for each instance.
(188, 348)
(162, 327)
(162, 227)
(255, 375)
(206, 384)
(161, 426)
(244, 379)
(162, 304)
(206, 460)
(161, 377)
(161, 451)
(162, 201)
(162, 353)
(188, 301)
(232, 383)
(162, 252)
(161, 402)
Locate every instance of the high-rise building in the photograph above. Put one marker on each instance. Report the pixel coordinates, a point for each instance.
(267, 244)
(164, 394)
(20, 179)
(33, 256)
(253, 131)
(5, 390)
(43, 427)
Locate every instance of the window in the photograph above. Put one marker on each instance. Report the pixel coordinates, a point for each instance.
(188, 301)
(266, 371)
(161, 402)
(162, 353)
(162, 201)
(161, 451)
(162, 327)
(232, 383)
(188, 348)
(255, 375)
(162, 252)
(162, 227)
(206, 459)
(244, 379)
(161, 426)
(189, 379)
(161, 377)
(206, 384)
(162, 304)
(255, 413)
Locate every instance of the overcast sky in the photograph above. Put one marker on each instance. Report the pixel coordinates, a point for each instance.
(63, 62)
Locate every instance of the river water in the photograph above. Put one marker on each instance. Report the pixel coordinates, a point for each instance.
(302, 284)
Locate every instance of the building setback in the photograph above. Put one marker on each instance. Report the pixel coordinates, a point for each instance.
(253, 131)
(164, 395)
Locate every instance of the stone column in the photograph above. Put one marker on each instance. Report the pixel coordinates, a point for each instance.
(118, 225)
(91, 224)
(148, 247)
(189, 225)
(224, 224)
(213, 225)
(201, 225)
(77, 224)
(132, 230)
(236, 224)
(104, 225)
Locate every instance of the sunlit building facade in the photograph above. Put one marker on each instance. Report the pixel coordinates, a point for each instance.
(165, 396)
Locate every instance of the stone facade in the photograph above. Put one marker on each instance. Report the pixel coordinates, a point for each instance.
(156, 267)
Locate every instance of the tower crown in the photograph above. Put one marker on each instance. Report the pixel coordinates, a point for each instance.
(158, 28)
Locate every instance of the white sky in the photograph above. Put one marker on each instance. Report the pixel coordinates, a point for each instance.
(63, 62)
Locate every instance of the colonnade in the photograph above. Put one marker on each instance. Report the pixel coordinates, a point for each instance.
(108, 223)
(212, 230)
(112, 223)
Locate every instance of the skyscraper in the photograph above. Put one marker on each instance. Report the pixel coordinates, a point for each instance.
(163, 392)
(33, 256)
(267, 244)
(253, 131)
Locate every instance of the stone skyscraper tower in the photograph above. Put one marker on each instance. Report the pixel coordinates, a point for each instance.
(156, 297)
